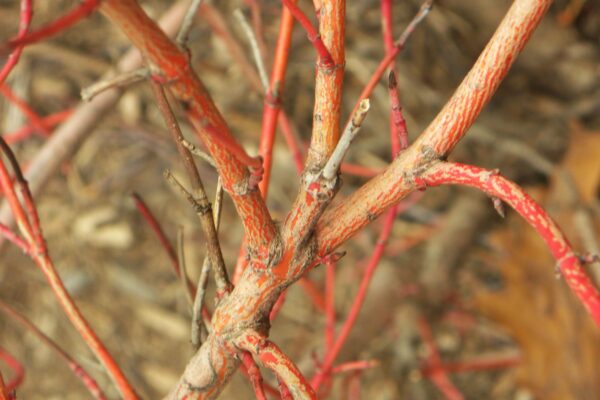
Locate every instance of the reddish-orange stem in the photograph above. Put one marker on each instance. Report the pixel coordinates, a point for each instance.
(443, 133)
(325, 58)
(62, 23)
(254, 375)
(354, 366)
(35, 119)
(174, 65)
(329, 304)
(28, 222)
(49, 121)
(333, 352)
(89, 382)
(24, 22)
(18, 372)
(438, 375)
(328, 85)
(273, 96)
(497, 186)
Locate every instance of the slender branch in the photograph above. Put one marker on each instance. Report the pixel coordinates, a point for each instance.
(333, 351)
(183, 275)
(35, 119)
(497, 186)
(196, 330)
(399, 132)
(401, 177)
(391, 55)
(28, 221)
(60, 24)
(328, 85)
(203, 208)
(439, 376)
(89, 382)
(325, 58)
(18, 372)
(255, 377)
(49, 121)
(24, 23)
(121, 80)
(173, 63)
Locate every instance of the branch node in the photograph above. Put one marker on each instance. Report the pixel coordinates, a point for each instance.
(199, 208)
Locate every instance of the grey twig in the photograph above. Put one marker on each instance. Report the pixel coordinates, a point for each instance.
(262, 71)
(196, 333)
(199, 153)
(333, 164)
(183, 275)
(121, 80)
(188, 22)
(423, 11)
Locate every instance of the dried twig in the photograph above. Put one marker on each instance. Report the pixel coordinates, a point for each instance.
(260, 66)
(188, 22)
(333, 164)
(119, 81)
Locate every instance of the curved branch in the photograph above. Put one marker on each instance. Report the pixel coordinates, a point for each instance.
(440, 137)
(499, 187)
(230, 158)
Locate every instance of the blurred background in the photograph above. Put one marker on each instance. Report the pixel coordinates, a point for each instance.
(483, 287)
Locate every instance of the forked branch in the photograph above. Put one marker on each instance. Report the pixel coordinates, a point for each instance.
(175, 69)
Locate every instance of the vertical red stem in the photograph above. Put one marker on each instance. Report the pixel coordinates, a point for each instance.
(24, 22)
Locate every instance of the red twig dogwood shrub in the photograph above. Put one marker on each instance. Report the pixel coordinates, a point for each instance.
(274, 257)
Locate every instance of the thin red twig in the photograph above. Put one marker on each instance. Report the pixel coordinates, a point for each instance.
(16, 367)
(35, 119)
(495, 185)
(14, 238)
(329, 303)
(333, 352)
(437, 375)
(254, 374)
(58, 25)
(89, 382)
(354, 366)
(49, 121)
(325, 59)
(24, 23)
(28, 221)
(165, 243)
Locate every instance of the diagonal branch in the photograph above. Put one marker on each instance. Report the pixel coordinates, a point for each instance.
(328, 84)
(450, 125)
(497, 186)
(173, 64)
